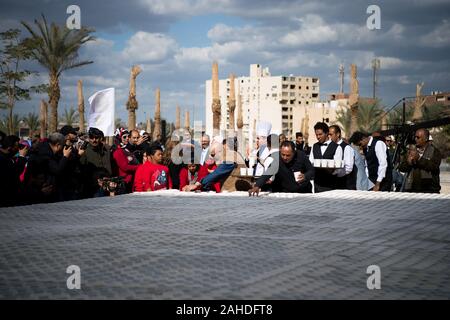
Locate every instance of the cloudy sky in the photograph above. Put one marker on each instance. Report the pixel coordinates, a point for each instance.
(175, 43)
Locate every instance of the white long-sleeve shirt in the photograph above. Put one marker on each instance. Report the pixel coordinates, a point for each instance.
(323, 148)
(380, 152)
(349, 160)
(203, 155)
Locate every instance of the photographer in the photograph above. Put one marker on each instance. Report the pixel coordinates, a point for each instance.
(9, 182)
(46, 170)
(124, 159)
(137, 143)
(70, 185)
(96, 157)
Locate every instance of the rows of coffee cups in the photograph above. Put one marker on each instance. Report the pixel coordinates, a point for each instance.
(325, 163)
(246, 171)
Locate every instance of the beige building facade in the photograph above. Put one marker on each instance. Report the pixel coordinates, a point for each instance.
(277, 99)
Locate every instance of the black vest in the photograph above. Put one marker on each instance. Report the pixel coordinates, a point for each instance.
(348, 181)
(372, 166)
(329, 152)
(323, 180)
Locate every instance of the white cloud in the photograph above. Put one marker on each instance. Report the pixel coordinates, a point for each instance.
(192, 56)
(439, 37)
(184, 7)
(314, 30)
(149, 47)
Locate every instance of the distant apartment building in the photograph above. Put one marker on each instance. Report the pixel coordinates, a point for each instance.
(277, 99)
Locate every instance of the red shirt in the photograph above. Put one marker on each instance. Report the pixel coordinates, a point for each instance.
(123, 160)
(184, 177)
(151, 177)
(203, 172)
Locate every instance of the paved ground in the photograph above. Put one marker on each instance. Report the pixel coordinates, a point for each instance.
(161, 246)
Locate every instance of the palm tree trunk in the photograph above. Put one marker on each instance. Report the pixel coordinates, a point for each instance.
(354, 117)
(54, 96)
(80, 106)
(43, 119)
(131, 119)
(10, 121)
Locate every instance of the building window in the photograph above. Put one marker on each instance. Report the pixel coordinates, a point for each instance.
(307, 87)
(292, 86)
(300, 87)
(292, 94)
(274, 94)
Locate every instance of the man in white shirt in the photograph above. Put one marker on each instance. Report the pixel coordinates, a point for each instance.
(325, 178)
(262, 132)
(205, 148)
(346, 176)
(379, 167)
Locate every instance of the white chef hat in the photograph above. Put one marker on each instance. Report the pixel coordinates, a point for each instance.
(263, 129)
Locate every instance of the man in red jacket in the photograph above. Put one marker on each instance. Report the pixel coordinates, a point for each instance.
(152, 175)
(125, 160)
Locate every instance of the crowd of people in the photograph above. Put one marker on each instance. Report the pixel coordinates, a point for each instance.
(68, 165)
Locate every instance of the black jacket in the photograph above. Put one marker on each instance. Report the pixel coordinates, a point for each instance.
(284, 177)
(44, 169)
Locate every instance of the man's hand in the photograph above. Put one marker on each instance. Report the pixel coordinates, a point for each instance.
(301, 177)
(377, 186)
(66, 151)
(81, 152)
(253, 191)
(142, 139)
(47, 189)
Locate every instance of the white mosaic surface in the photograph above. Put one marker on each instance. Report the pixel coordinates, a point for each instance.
(171, 245)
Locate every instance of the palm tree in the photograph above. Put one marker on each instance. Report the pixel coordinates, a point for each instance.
(343, 117)
(14, 121)
(369, 116)
(118, 123)
(56, 49)
(32, 121)
(69, 117)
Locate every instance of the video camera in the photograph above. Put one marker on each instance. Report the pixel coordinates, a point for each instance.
(114, 184)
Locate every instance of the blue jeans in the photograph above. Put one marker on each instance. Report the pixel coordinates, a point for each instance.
(221, 172)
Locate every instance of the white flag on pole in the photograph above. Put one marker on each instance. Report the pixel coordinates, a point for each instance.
(101, 112)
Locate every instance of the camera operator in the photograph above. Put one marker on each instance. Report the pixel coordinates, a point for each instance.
(46, 169)
(107, 186)
(96, 157)
(136, 145)
(70, 186)
(422, 165)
